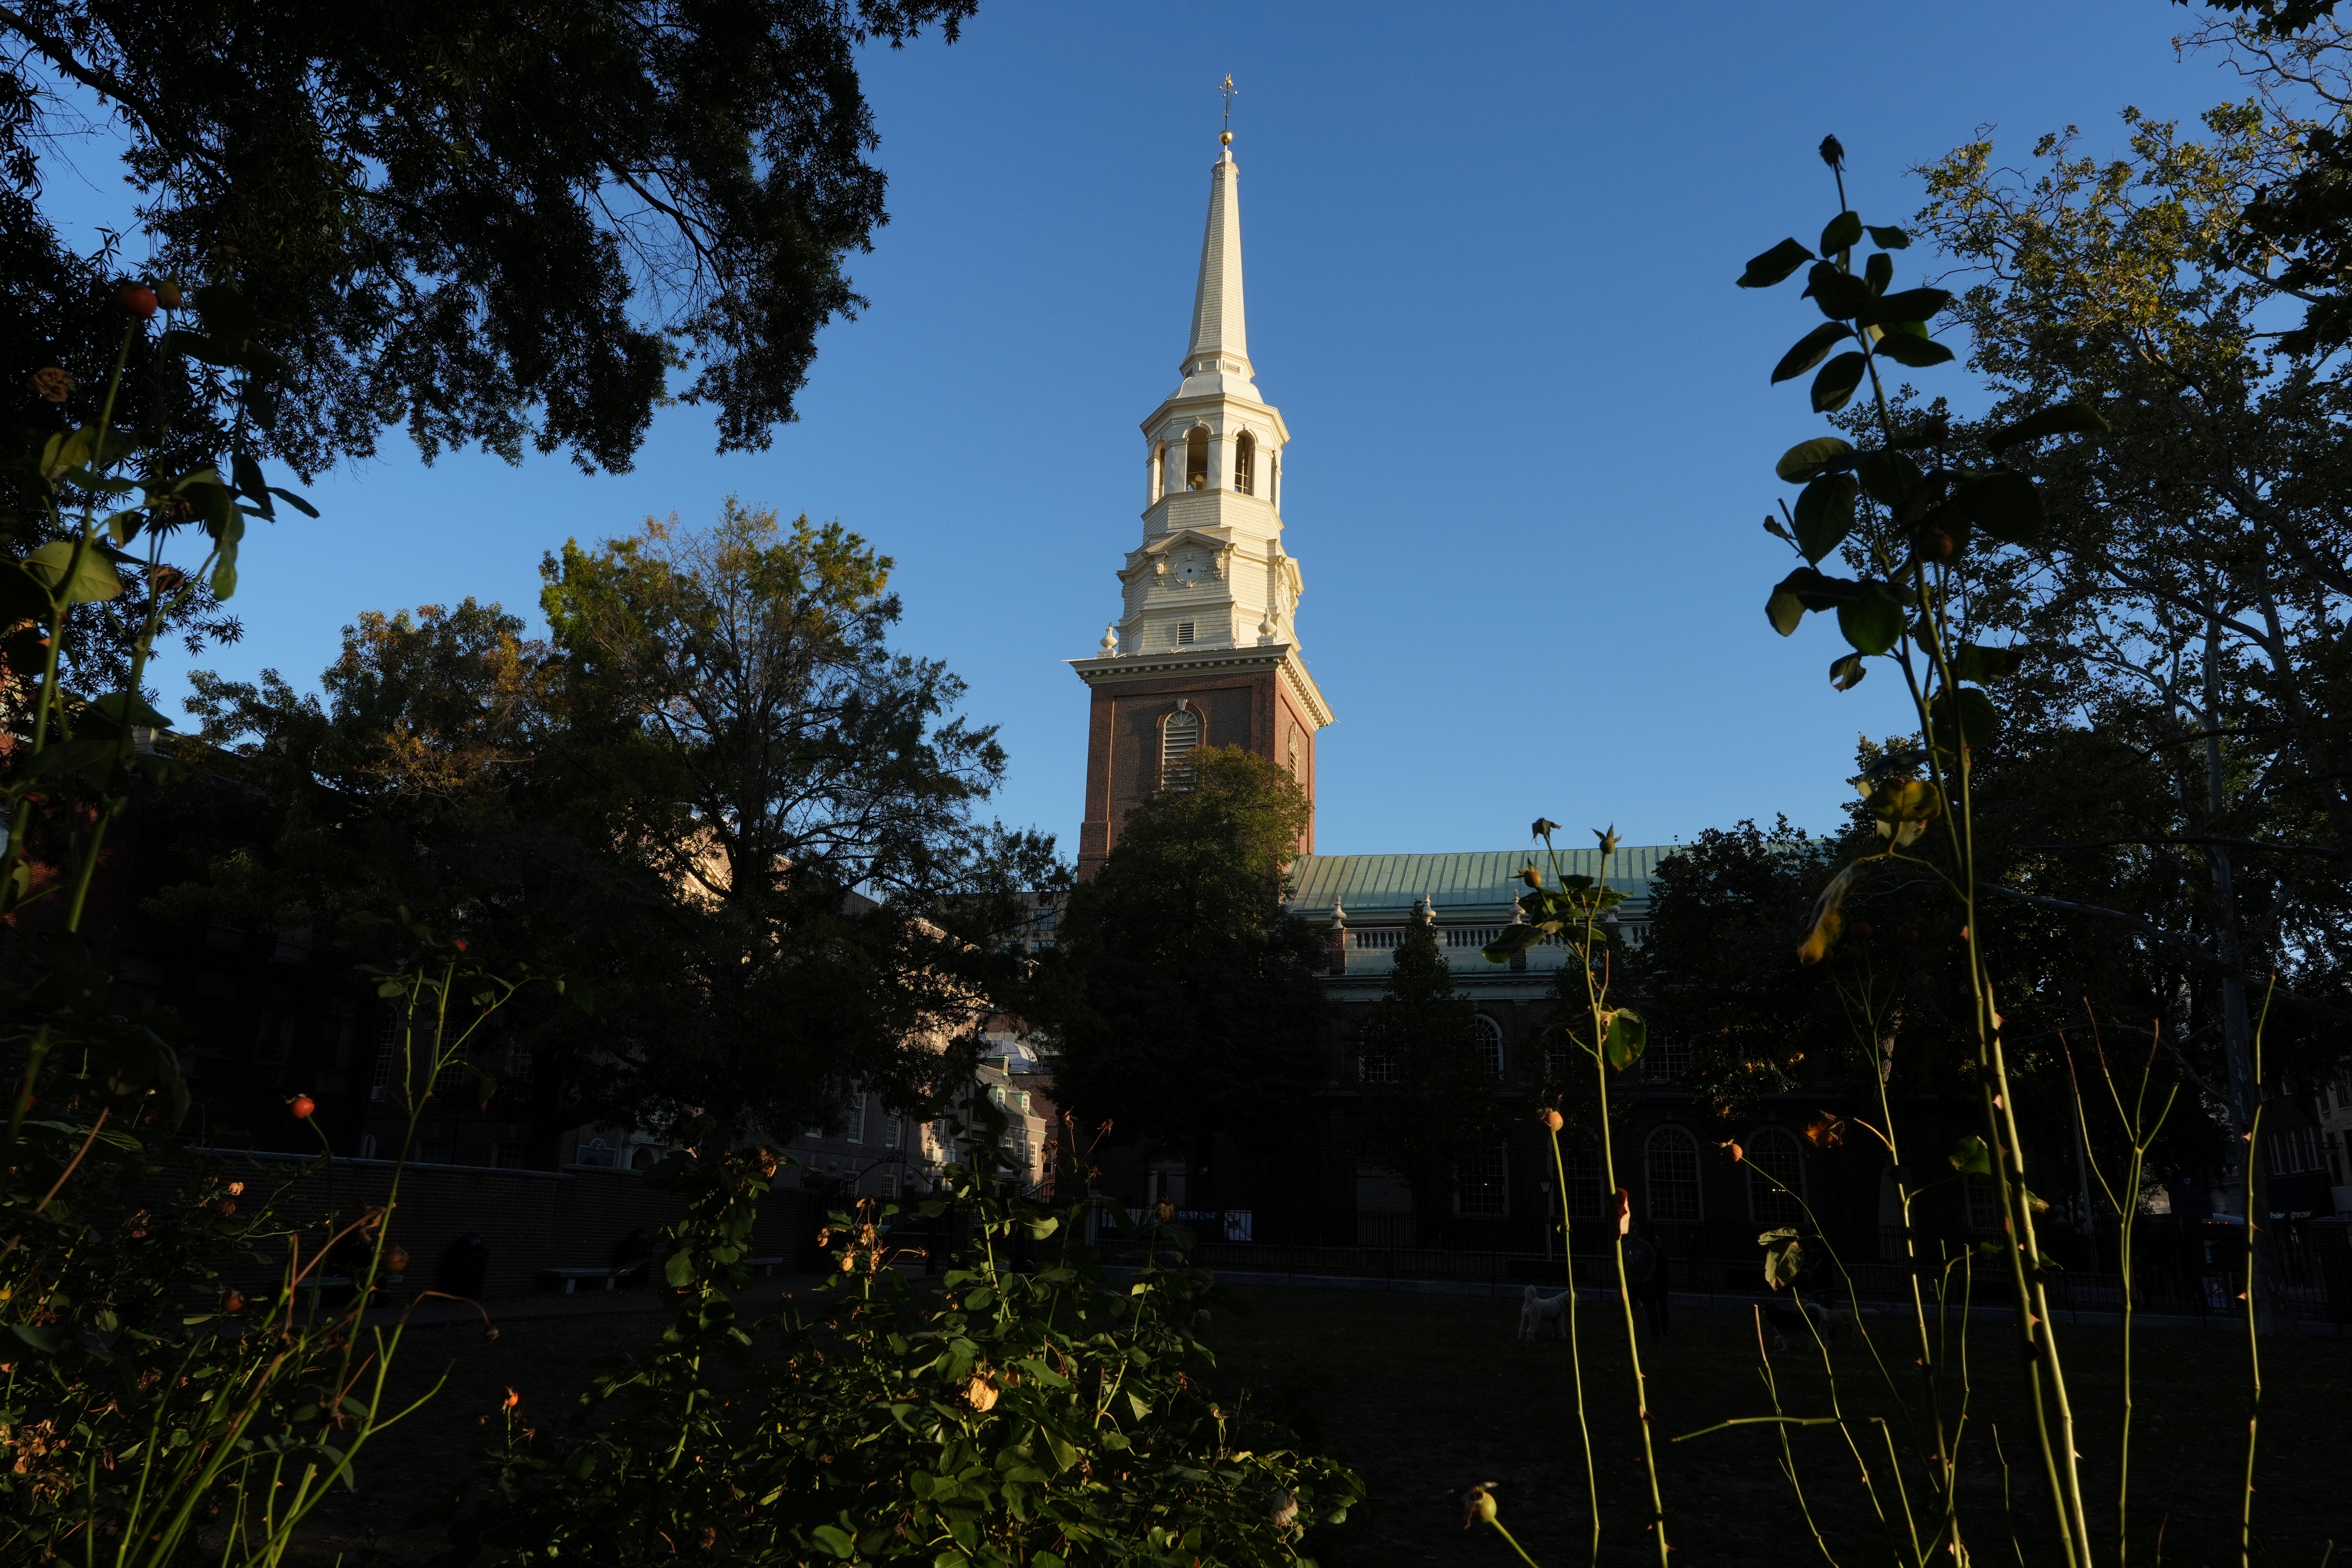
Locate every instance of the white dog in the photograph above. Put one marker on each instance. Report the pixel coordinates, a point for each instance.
(1537, 1311)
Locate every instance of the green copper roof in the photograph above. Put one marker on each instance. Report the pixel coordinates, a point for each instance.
(1370, 884)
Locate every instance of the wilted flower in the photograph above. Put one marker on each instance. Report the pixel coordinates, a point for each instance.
(1825, 1131)
(1477, 1506)
(1833, 152)
(511, 1400)
(980, 1393)
(1284, 1511)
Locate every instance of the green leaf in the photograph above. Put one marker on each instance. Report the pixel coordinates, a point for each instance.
(2004, 503)
(1846, 671)
(1980, 664)
(680, 1269)
(2060, 419)
(1783, 1262)
(1889, 476)
(296, 502)
(46, 1341)
(1828, 915)
(1844, 232)
(1872, 623)
(1819, 456)
(835, 1539)
(1908, 305)
(1628, 1036)
(23, 597)
(94, 578)
(1834, 386)
(1841, 295)
(1978, 719)
(250, 484)
(1786, 611)
(1825, 515)
(1878, 272)
(1971, 1157)
(1810, 350)
(1514, 939)
(1774, 265)
(1917, 353)
(1889, 237)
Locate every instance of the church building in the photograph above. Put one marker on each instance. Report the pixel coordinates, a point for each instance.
(1206, 650)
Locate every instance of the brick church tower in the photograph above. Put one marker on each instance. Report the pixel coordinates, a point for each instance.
(1206, 651)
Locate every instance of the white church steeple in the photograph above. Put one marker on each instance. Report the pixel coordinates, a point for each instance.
(1211, 592)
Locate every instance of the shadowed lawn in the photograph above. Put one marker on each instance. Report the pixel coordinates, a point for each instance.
(1426, 1394)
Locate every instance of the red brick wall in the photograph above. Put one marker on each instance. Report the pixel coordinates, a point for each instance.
(1248, 709)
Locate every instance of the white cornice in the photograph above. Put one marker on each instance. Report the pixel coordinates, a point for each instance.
(1121, 669)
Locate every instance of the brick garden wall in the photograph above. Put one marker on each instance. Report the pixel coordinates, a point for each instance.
(576, 1218)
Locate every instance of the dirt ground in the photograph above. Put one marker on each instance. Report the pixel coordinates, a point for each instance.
(1425, 1395)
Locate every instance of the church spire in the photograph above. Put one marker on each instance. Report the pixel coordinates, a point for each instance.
(1220, 330)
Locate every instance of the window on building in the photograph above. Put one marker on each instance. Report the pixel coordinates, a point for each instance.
(1588, 1195)
(1180, 737)
(1670, 1173)
(1482, 1184)
(1245, 464)
(1196, 459)
(387, 1053)
(507, 1154)
(1297, 771)
(1773, 1154)
(1184, 634)
(894, 1131)
(1665, 1061)
(1377, 1067)
(888, 1185)
(1984, 1203)
(1490, 1046)
(858, 1118)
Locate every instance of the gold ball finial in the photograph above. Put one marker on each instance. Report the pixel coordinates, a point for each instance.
(1226, 137)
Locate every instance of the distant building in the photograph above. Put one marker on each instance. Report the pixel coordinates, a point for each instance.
(1206, 650)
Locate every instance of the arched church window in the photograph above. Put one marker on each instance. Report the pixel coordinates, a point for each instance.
(1490, 1047)
(1196, 459)
(1245, 464)
(1180, 737)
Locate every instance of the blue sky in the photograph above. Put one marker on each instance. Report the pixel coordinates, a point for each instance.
(1489, 255)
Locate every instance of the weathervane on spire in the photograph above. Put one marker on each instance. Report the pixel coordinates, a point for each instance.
(1226, 132)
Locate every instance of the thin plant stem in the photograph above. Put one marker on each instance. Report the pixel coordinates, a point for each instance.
(1575, 1343)
(2254, 1334)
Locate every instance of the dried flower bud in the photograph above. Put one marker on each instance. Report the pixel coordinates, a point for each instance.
(137, 299)
(53, 384)
(167, 294)
(981, 1394)
(236, 1302)
(1284, 1511)
(237, 1189)
(1833, 152)
(1553, 1120)
(1477, 1507)
(396, 1260)
(512, 1399)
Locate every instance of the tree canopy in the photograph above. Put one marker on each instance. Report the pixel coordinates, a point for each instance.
(1195, 1006)
(1428, 1087)
(508, 224)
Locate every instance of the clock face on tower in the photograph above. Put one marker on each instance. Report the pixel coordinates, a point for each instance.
(1191, 569)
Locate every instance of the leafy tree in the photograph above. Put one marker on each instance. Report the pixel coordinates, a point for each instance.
(1713, 970)
(506, 224)
(716, 795)
(1193, 1006)
(2188, 598)
(1429, 1093)
(738, 728)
